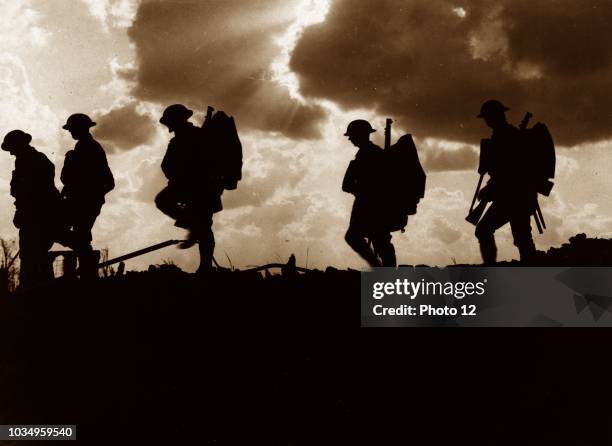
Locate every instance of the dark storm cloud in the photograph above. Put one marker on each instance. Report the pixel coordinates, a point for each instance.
(123, 128)
(431, 64)
(218, 53)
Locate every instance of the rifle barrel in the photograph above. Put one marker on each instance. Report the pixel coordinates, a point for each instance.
(476, 192)
(139, 252)
(540, 216)
(537, 221)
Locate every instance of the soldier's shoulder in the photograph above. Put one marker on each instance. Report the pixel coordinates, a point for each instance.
(39, 156)
(504, 134)
(88, 144)
(187, 137)
(196, 132)
(97, 146)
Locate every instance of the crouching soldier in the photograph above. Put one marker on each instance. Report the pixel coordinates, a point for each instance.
(87, 178)
(195, 185)
(364, 179)
(36, 202)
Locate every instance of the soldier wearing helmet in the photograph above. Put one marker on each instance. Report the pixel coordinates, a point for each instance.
(194, 189)
(364, 179)
(87, 178)
(512, 196)
(36, 200)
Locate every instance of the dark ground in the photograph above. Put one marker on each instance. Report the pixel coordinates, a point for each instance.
(164, 355)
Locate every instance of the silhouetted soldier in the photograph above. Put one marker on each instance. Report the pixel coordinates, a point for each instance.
(36, 201)
(194, 188)
(87, 179)
(510, 189)
(364, 179)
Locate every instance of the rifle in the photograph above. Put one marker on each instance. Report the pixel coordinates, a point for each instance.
(209, 113)
(475, 214)
(388, 123)
(388, 133)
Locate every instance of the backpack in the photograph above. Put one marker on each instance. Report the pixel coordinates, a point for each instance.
(541, 151)
(221, 133)
(406, 179)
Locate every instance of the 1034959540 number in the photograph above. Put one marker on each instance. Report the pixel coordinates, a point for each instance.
(23, 432)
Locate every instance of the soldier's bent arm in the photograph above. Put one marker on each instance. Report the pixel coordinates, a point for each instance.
(168, 165)
(13, 185)
(349, 183)
(66, 173)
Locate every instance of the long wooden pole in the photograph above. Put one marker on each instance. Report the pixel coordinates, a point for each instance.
(139, 252)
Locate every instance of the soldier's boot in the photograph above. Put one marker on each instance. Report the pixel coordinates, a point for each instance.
(191, 240)
(361, 247)
(189, 221)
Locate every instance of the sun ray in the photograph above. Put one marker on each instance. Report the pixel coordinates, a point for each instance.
(308, 13)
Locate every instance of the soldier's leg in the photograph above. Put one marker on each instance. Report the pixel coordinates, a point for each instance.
(520, 223)
(27, 258)
(357, 234)
(495, 217)
(385, 249)
(45, 265)
(168, 202)
(84, 220)
(206, 243)
(63, 224)
(357, 240)
(34, 245)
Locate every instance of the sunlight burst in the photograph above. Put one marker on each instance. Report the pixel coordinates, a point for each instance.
(308, 13)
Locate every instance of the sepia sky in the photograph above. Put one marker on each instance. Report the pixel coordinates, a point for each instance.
(294, 73)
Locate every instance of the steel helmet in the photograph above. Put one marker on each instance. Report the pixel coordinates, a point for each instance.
(78, 120)
(175, 113)
(359, 126)
(490, 107)
(16, 138)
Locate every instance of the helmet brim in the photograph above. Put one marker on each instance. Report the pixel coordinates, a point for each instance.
(482, 115)
(169, 120)
(348, 134)
(68, 127)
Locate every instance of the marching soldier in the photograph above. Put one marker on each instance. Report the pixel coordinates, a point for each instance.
(194, 189)
(510, 189)
(87, 178)
(364, 179)
(36, 201)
